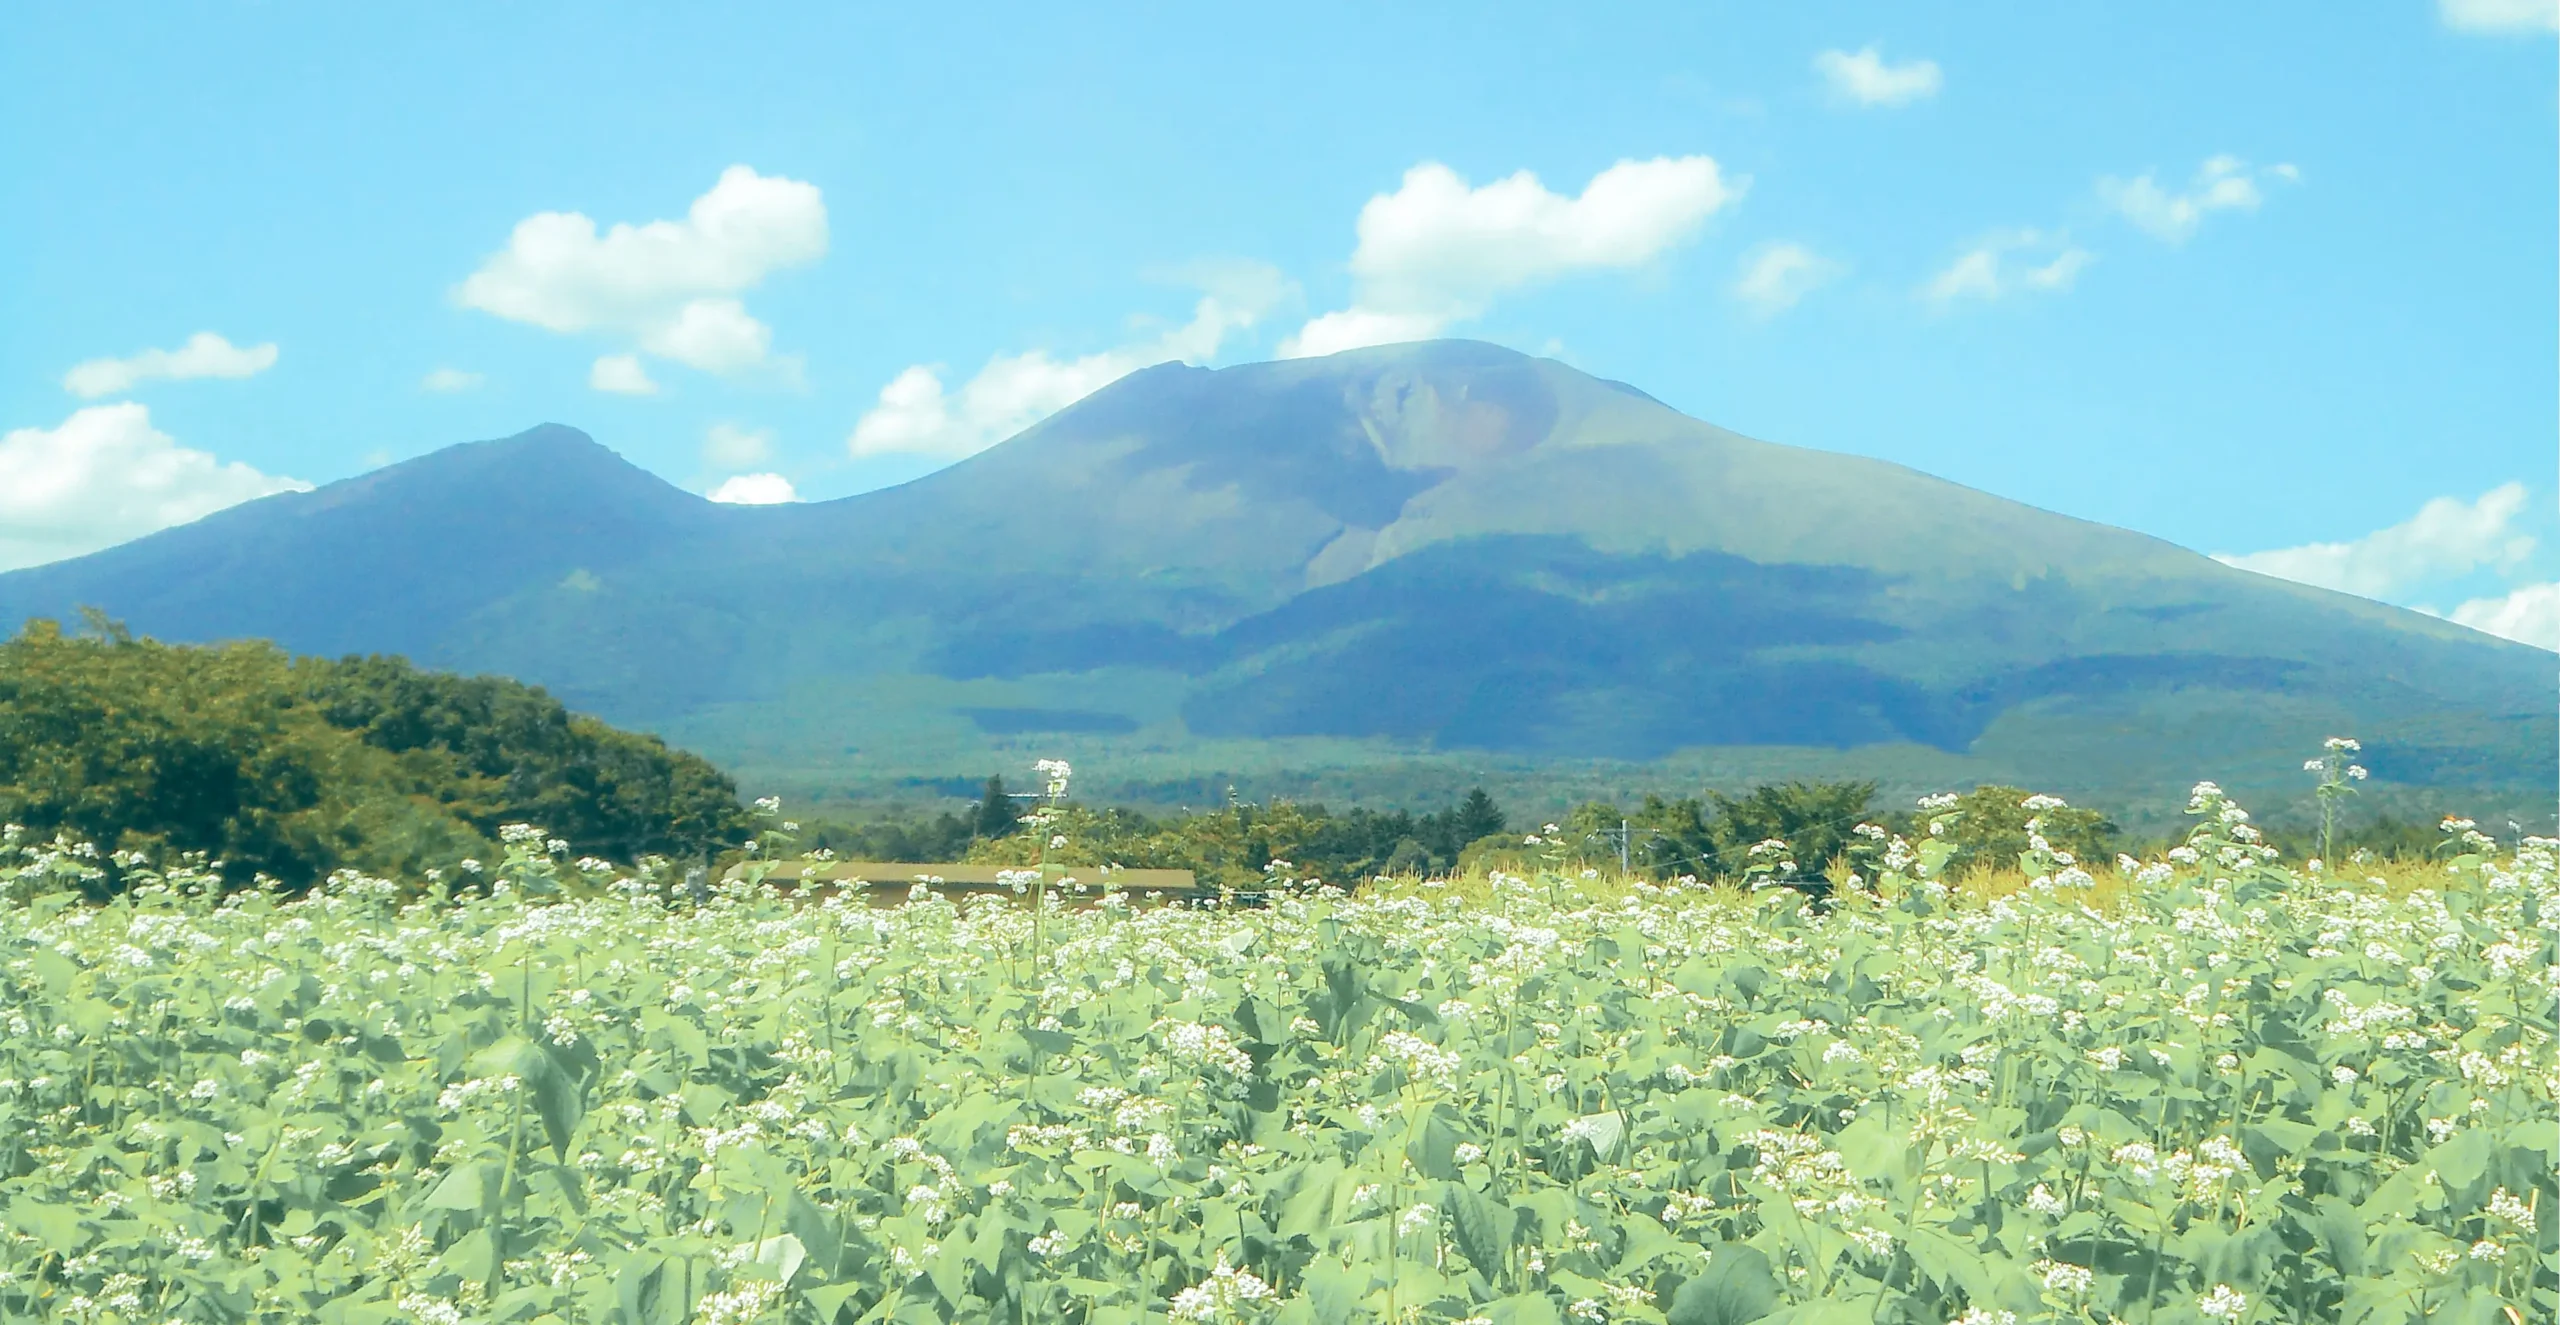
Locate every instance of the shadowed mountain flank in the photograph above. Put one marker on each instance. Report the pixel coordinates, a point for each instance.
(1396, 553)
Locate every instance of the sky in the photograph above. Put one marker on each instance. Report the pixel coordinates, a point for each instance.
(2277, 282)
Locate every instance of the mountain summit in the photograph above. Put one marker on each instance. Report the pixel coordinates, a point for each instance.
(1437, 559)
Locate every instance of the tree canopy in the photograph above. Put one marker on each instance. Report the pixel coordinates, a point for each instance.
(294, 767)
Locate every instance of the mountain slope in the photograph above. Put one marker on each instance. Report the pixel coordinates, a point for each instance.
(1416, 557)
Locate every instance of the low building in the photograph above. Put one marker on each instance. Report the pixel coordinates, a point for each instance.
(897, 876)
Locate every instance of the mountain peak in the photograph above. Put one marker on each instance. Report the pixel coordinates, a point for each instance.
(1428, 552)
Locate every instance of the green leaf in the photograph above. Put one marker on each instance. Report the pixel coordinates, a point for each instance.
(827, 1299)
(2266, 1142)
(1480, 1226)
(655, 1290)
(466, 1188)
(2464, 1159)
(2339, 1228)
(1603, 1131)
(1736, 1287)
(783, 1255)
(1525, 1309)
(1333, 1292)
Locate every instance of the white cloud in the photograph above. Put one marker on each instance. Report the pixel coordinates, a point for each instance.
(2009, 262)
(2222, 183)
(450, 379)
(670, 286)
(2447, 537)
(755, 490)
(204, 355)
(621, 374)
(714, 335)
(728, 446)
(1437, 251)
(917, 415)
(2501, 17)
(1867, 80)
(104, 476)
(2530, 615)
(1775, 276)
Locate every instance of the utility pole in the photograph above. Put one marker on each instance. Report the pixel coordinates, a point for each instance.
(1626, 840)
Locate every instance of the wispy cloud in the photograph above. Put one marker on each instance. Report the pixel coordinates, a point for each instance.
(2529, 615)
(1438, 251)
(1776, 276)
(917, 415)
(668, 287)
(2448, 537)
(622, 375)
(2506, 18)
(449, 380)
(106, 475)
(755, 490)
(205, 354)
(1867, 80)
(729, 446)
(2222, 183)
(2009, 262)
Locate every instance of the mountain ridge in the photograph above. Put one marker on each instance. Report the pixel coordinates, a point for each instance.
(1442, 551)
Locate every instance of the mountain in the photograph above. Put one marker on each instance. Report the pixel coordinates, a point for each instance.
(1386, 572)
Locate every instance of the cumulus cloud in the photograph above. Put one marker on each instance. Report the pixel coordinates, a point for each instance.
(671, 287)
(728, 446)
(2010, 262)
(204, 355)
(1437, 251)
(755, 490)
(621, 374)
(1865, 78)
(450, 379)
(104, 476)
(2447, 537)
(2222, 183)
(2530, 615)
(2501, 17)
(918, 415)
(1776, 276)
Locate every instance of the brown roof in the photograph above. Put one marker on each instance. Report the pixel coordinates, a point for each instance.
(903, 873)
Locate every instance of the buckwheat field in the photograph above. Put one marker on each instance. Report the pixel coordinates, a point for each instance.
(2210, 1087)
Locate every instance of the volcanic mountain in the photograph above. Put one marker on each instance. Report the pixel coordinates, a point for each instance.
(1381, 572)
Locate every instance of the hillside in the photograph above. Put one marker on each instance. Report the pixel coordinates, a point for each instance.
(294, 768)
(1379, 575)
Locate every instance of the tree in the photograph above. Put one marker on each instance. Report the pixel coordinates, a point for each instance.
(1989, 831)
(996, 814)
(1478, 817)
(293, 767)
(1815, 819)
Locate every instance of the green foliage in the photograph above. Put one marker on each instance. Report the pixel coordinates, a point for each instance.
(996, 813)
(495, 752)
(2240, 1096)
(1236, 844)
(1989, 829)
(292, 768)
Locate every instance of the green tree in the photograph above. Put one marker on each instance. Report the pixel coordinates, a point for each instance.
(1990, 830)
(293, 768)
(1815, 819)
(1478, 817)
(996, 816)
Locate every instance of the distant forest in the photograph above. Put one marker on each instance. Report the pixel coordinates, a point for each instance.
(291, 768)
(1708, 836)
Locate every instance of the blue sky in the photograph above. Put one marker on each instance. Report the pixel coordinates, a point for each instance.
(2252, 278)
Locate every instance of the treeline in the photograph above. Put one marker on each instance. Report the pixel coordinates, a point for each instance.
(294, 767)
(1233, 843)
(1801, 830)
(1710, 836)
